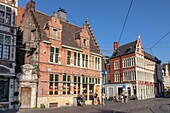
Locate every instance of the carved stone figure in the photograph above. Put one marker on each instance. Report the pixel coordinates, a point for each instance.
(27, 73)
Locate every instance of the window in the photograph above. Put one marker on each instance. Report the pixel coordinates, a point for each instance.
(68, 57)
(5, 44)
(55, 34)
(76, 59)
(97, 63)
(66, 84)
(84, 60)
(54, 54)
(33, 34)
(53, 84)
(5, 15)
(116, 64)
(85, 42)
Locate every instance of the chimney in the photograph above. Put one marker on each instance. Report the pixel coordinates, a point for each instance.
(62, 14)
(55, 14)
(31, 5)
(116, 45)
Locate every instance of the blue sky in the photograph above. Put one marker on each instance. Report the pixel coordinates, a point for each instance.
(148, 18)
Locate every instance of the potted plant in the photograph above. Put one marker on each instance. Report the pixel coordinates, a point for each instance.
(16, 104)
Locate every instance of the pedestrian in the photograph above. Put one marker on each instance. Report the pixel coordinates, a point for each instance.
(125, 97)
(121, 98)
(79, 100)
(83, 100)
(95, 98)
(103, 98)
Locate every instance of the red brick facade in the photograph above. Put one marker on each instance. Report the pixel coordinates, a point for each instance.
(66, 57)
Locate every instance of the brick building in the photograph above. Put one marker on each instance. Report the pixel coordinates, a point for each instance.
(56, 59)
(134, 70)
(8, 14)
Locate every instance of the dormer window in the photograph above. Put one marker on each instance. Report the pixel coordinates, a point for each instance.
(85, 42)
(55, 34)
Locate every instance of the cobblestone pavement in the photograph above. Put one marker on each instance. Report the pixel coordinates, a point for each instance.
(156, 105)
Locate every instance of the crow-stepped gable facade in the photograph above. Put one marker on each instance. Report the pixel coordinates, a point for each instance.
(130, 64)
(63, 59)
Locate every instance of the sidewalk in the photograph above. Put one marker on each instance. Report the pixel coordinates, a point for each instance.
(133, 106)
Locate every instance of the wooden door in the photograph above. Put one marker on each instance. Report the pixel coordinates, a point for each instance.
(98, 92)
(25, 97)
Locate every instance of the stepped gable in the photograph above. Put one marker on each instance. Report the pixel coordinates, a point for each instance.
(94, 47)
(69, 31)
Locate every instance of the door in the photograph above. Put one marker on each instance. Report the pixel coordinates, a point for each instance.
(110, 92)
(25, 97)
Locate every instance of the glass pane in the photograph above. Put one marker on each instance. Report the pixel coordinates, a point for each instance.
(75, 79)
(1, 38)
(51, 85)
(8, 9)
(64, 88)
(68, 88)
(51, 77)
(1, 51)
(56, 58)
(78, 79)
(68, 78)
(6, 52)
(51, 57)
(56, 50)
(56, 77)
(2, 7)
(52, 49)
(64, 77)
(55, 34)
(8, 19)
(2, 15)
(7, 39)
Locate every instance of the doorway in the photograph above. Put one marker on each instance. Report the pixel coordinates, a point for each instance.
(25, 97)
(120, 90)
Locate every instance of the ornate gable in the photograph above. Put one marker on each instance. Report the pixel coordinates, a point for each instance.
(139, 48)
(94, 47)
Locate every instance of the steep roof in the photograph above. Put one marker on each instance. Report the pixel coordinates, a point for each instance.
(130, 48)
(125, 49)
(69, 31)
(68, 34)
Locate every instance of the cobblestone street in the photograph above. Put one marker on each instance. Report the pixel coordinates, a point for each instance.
(157, 105)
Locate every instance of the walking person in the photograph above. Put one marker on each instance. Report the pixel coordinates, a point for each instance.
(103, 98)
(125, 97)
(83, 100)
(95, 98)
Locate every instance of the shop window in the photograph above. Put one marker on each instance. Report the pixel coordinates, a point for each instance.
(53, 84)
(66, 84)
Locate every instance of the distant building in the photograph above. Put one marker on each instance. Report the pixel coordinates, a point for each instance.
(166, 77)
(57, 59)
(8, 15)
(130, 64)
